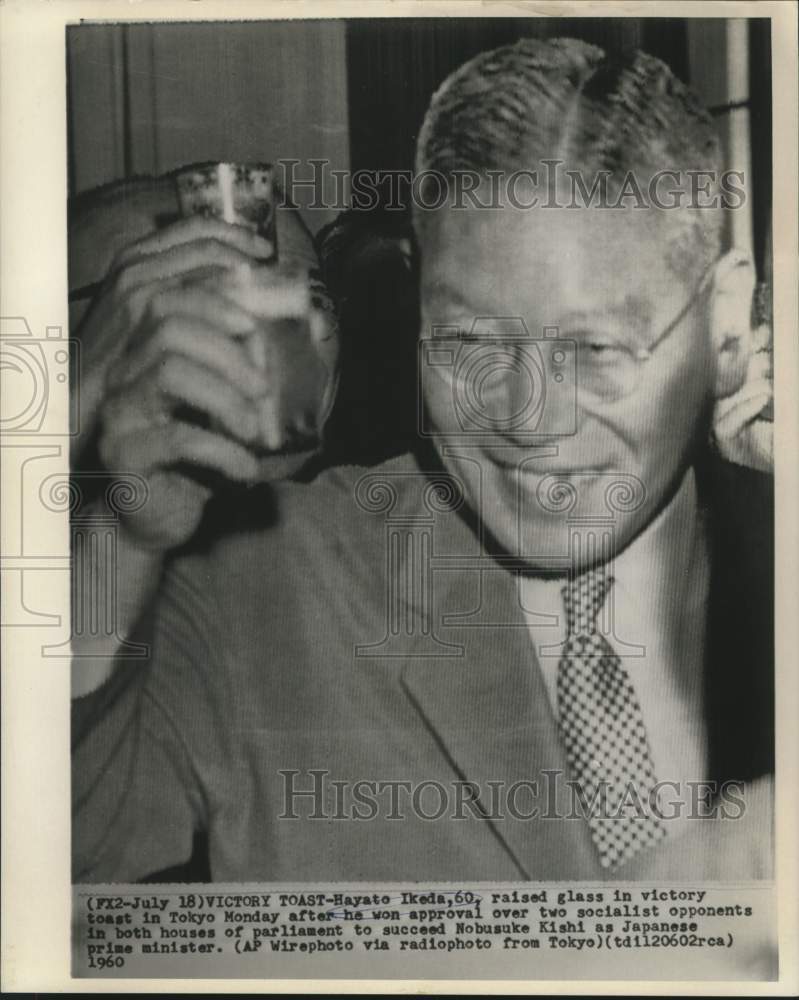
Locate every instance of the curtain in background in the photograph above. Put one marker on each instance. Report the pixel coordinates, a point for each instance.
(144, 98)
(394, 65)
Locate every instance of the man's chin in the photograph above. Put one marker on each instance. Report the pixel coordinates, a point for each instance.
(553, 522)
(553, 545)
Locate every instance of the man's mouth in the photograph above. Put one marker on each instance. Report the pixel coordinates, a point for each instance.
(547, 462)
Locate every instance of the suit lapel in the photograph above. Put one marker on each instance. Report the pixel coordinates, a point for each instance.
(491, 714)
(489, 709)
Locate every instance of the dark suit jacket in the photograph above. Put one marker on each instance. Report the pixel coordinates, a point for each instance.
(285, 649)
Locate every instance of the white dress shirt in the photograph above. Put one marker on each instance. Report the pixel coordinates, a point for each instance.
(659, 606)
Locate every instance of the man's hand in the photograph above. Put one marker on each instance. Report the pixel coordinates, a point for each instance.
(743, 425)
(145, 270)
(179, 388)
(186, 406)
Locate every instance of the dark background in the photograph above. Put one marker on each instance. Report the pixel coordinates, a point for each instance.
(394, 66)
(146, 97)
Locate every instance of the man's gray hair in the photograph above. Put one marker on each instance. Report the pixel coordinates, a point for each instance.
(564, 99)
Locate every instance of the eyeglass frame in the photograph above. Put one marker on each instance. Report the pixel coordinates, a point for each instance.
(644, 354)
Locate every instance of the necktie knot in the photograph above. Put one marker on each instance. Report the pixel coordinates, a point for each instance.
(583, 597)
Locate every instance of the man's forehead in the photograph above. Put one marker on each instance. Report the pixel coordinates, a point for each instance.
(558, 226)
(586, 259)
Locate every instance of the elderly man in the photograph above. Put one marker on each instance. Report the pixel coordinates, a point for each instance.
(539, 646)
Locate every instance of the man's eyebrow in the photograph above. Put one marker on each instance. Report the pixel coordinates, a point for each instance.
(631, 310)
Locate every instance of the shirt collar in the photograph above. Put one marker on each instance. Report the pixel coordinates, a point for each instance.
(652, 574)
(656, 566)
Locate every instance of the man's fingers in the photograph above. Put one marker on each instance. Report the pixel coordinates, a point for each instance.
(186, 381)
(197, 227)
(266, 292)
(279, 293)
(174, 381)
(192, 298)
(208, 253)
(197, 341)
(733, 415)
(188, 294)
(179, 443)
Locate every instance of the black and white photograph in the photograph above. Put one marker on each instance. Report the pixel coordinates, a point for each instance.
(422, 436)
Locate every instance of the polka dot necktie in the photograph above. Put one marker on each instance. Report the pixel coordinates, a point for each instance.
(603, 729)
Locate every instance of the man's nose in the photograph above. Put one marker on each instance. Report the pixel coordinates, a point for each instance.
(528, 403)
(508, 387)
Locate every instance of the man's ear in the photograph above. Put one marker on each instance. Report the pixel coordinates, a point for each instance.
(730, 320)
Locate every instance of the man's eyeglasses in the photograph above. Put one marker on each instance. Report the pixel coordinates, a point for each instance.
(496, 362)
(609, 369)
